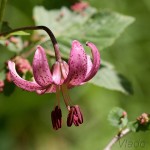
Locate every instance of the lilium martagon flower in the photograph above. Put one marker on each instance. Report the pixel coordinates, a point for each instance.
(61, 77)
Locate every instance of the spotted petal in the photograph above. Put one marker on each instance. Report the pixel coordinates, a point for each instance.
(26, 85)
(41, 69)
(96, 62)
(77, 64)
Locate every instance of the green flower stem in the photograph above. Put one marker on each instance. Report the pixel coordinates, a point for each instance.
(47, 30)
(2, 9)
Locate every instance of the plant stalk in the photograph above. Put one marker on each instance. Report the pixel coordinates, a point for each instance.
(47, 30)
(117, 138)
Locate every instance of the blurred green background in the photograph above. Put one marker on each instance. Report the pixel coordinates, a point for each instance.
(25, 117)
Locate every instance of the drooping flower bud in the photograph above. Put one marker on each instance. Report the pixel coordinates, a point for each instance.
(22, 65)
(14, 39)
(144, 118)
(124, 114)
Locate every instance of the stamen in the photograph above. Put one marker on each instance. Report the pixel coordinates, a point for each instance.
(58, 94)
(75, 115)
(65, 95)
(79, 114)
(70, 117)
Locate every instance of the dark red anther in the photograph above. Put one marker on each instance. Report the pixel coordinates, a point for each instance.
(70, 117)
(79, 114)
(76, 120)
(75, 116)
(56, 117)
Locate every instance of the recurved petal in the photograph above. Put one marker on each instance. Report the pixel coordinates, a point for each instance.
(26, 85)
(96, 62)
(41, 69)
(77, 64)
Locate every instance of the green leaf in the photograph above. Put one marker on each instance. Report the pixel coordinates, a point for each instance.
(19, 33)
(60, 20)
(99, 27)
(108, 78)
(117, 119)
(103, 28)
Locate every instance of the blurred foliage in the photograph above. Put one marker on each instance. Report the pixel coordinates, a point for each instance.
(108, 78)
(118, 118)
(101, 27)
(25, 117)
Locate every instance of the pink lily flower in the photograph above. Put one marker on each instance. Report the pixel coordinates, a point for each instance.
(79, 69)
